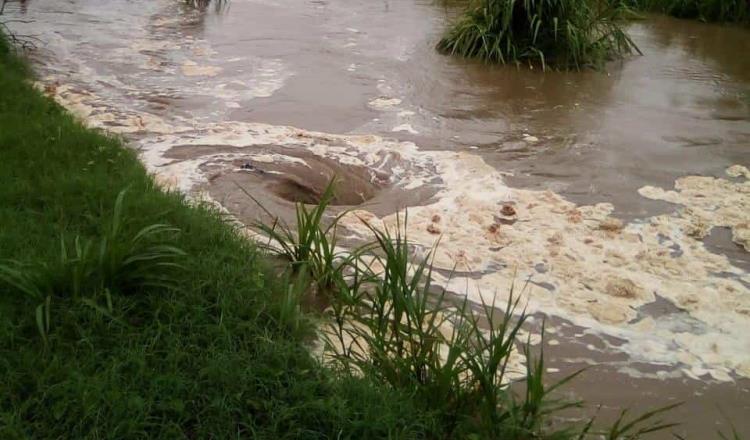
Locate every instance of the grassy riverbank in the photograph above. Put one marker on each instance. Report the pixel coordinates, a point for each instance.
(209, 357)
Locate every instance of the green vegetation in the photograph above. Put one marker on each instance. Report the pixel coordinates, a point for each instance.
(116, 262)
(726, 11)
(393, 327)
(559, 33)
(389, 325)
(310, 250)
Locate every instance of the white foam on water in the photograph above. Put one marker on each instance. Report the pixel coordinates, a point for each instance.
(191, 68)
(384, 103)
(405, 127)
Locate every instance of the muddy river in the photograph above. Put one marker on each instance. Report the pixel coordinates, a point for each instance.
(622, 197)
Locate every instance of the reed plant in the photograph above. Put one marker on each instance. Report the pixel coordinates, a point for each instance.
(390, 324)
(310, 245)
(732, 434)
(549, 33)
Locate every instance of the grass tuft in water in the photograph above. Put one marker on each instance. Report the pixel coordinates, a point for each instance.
(310, 246)
(559, 33)
(391, 325)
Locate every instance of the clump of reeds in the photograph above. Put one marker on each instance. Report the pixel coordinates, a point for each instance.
(389, 324)
(219, 5)
(394, 327)
(560, 33)
(309, 246)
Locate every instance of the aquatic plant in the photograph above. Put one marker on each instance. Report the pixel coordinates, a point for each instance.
(560, 33)
(219, 5)
(728, 11)
(310, 245)
(392, 325)
(638, 426)
(733, 434)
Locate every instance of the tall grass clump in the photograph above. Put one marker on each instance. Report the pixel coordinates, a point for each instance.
(392, 325)
(202, 5)
(724, 11)
(310, 247)
(560, 33)
(397, 329)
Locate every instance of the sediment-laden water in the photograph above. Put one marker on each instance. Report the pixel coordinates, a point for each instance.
(621, 197)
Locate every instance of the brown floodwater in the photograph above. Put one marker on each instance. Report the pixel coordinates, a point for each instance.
(680, 109)
(209, 98)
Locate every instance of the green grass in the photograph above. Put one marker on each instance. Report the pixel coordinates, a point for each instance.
(558, 33)
(725, 11)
